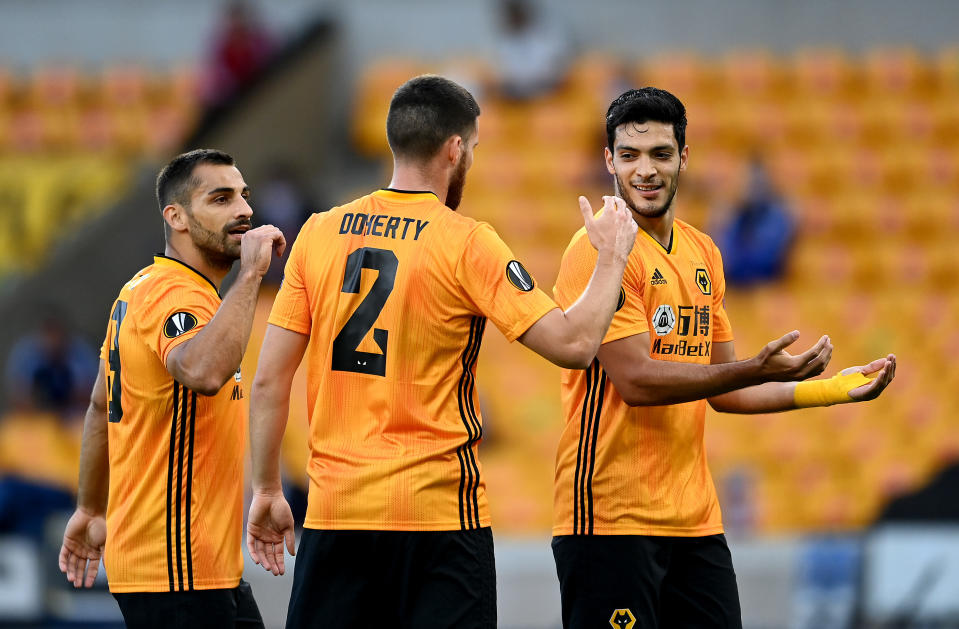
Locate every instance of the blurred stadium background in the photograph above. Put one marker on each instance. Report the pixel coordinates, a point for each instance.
(838, 517)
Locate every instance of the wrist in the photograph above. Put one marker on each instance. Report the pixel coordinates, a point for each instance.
(91, 512)
(249, 275)
(608, 256)
(268, 488)
(827, 392)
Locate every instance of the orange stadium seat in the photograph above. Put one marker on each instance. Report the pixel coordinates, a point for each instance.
(123, 85)
(946, 70)
(685, 74)
(823, 73)
(753, 75)
(56, 86)
(373, 93)
(892, 72)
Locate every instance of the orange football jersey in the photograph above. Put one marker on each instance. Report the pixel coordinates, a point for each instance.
(174, 517)
(394, 290)
(624, 470)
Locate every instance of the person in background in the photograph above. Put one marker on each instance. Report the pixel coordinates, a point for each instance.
(242, 47)
(757, 235)
(532, 51)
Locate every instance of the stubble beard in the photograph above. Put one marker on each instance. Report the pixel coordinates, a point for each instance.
(454, 192)
(216, 249)
(656, 212)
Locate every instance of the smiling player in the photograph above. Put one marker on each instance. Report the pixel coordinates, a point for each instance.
(638, 534)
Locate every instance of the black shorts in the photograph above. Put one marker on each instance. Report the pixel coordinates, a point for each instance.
(421, 579)
(637, 581)
(216, 609)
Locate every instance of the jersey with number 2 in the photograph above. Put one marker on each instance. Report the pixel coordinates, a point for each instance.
(394, 290)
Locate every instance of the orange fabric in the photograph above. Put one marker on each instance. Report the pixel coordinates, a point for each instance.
(174, 518)
(394, 290)
(642, 470)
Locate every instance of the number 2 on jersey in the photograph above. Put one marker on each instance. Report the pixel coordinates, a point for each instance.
(115, 408)
(346, 357)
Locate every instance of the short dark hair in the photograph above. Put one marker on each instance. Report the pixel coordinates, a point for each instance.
(176, 180)
(644, 105)
(425, 112)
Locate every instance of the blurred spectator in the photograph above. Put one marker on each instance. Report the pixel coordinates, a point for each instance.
(284, 202)
(49, 375)
(533, 53)
(738, 497)
(756, 237)
(50, 369)
(241, 48)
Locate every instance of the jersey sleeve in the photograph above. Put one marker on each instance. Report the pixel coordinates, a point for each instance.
(291, 308)
(576, 270)
(173, 313)
(499, 285)
(722, 329)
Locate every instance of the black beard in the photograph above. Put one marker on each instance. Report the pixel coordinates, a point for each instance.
(213, 247)
(655, 213)
(454, 192)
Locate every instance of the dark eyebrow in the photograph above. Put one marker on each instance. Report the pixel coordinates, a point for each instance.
(226, 190)
(661, 147)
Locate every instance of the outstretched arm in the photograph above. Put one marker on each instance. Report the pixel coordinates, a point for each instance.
(86, 531)
(570, 339)
(853, 384)
(645, 381)
(270, 522)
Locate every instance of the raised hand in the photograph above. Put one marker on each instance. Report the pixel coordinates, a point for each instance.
(82, 548)
(774, 363)
(614, 230)
(258, 246)
(881, 371)
(270, 524)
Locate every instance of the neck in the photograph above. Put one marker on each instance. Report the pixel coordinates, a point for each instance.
(424, 177)
(660, 227)
(193, 257)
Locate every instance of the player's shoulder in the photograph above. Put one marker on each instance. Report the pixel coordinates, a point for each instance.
(579, 245)
(700, 239)
(169, 279)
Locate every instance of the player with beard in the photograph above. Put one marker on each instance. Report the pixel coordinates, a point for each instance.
(388, 297)
(161, 469)
(638, 536)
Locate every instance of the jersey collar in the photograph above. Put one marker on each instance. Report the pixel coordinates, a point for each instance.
(404, 196)
(672, 240)
(172, 263)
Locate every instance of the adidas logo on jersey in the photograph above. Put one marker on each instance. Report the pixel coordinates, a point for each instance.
(657, 278)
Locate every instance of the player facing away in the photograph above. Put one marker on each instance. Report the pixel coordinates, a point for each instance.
(388, 296)
(638, 536)
(161, 469)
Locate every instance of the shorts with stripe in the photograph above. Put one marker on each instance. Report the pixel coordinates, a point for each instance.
(233, 608)
(402, 579)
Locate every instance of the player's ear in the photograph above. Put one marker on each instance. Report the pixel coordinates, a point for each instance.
(609, 161)
(454, 148)
(684, 158)
(175, 217)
